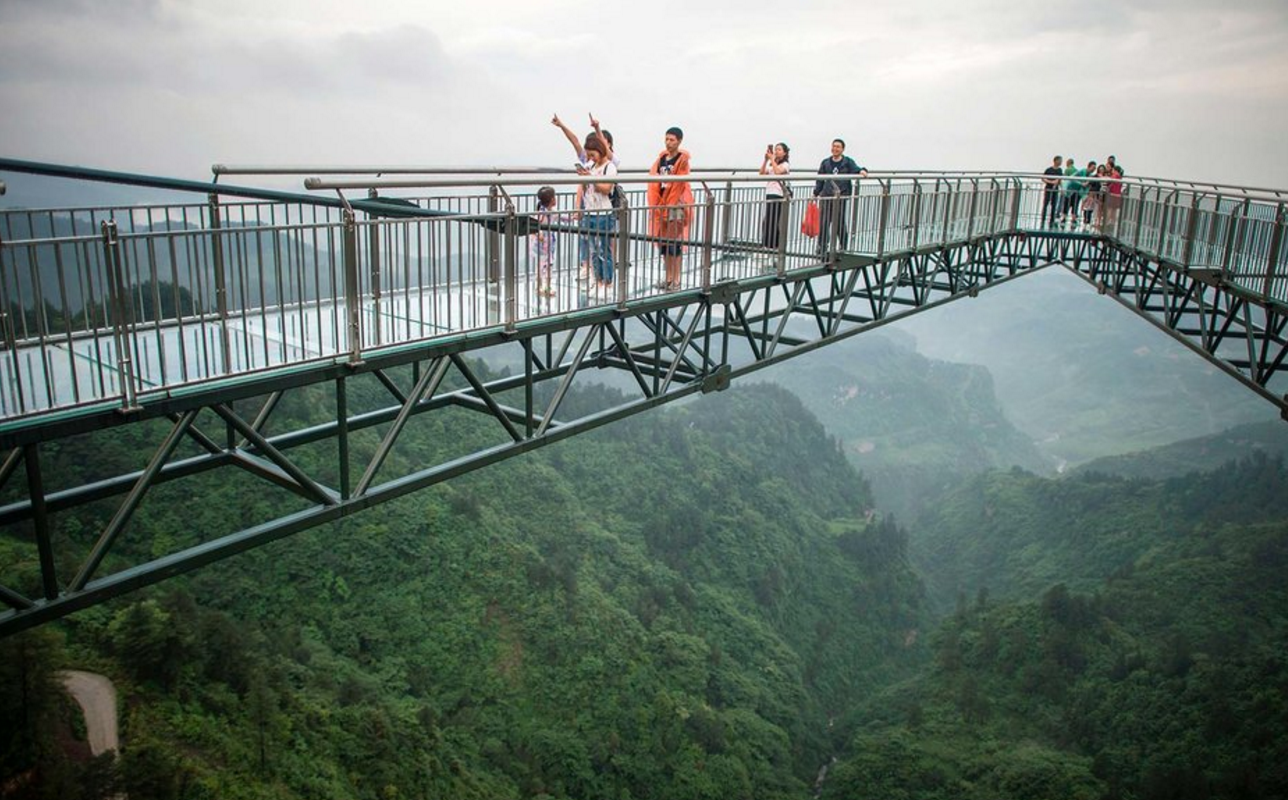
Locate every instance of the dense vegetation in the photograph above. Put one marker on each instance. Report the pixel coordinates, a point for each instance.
(1016, 534)
(1168, 680)
(701, 602)
(673, 608)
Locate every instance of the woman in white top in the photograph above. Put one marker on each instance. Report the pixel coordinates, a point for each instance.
(776, 192)
(597, 217)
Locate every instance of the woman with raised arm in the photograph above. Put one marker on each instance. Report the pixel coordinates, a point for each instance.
(776, 192)
(597, 217)
(605, 140)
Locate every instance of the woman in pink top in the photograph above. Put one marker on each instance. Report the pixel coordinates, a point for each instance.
(1115, 198)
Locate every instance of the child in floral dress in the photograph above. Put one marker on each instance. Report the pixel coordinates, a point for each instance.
(544, 242)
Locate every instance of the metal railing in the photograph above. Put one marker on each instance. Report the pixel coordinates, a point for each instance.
(1234, 231)
(117, 304)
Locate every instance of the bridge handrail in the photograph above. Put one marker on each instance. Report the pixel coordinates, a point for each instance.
(246, 287)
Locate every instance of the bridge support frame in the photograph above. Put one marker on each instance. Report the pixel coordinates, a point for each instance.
(671, 347)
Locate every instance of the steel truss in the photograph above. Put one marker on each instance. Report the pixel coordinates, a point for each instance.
(671, 347)
(1240, 332)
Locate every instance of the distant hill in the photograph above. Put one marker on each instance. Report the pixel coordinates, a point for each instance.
(1165, 680)
(1085, 377)
(1015, 534)
(912, 424)
(1199, 454)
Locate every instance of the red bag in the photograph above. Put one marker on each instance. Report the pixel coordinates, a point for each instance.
(809, 225)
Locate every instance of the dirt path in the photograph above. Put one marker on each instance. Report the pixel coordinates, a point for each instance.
(97, 698)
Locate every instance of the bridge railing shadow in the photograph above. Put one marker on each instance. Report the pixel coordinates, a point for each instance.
(119, 303)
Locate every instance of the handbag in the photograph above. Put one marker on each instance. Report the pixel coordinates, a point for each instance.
(810, 225)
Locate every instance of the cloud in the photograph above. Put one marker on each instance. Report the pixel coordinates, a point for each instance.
(176, 84)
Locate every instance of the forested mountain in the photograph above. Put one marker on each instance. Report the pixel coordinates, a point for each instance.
(1200, 454)
(1166, 679)
(704, 601)
(1083, 376)
(674, 607)
(914, 426)
(1014, 534)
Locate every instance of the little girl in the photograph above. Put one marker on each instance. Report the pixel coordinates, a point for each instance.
(544, 242)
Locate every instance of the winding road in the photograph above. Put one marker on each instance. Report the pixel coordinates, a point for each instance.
(97, 698)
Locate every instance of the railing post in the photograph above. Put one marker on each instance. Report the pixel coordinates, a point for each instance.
(916, 213)
(622, 273)
(511, 266)
(120, 303)
(1015, 204)
(856, 192)
(7, 335)
(1191, 230)
(883, 218)
(1166, 221)
(708, 231)
(352, 298)
(1276, 242)
(948, 207)
(221, 280)
(784, 225)
(994, 201)
(373, 249)
(492, 241)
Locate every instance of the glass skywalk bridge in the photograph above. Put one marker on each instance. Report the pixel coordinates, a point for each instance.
(206, 313)
(120, 304)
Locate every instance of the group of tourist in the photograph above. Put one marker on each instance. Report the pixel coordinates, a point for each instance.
(671, 205)
(1081, 198)
(1072, 197)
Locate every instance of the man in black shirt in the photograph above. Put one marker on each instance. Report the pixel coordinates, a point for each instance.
(833, 195)
(1051, 192)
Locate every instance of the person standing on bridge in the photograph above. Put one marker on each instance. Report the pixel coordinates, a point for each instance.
(1094, 204)
(1077, 188)
(597, 217)
(776, 192)
(544, 244)
(671, 207)
(1051, 192)
(1114, 198)
(833, 196)
(1070, 199)
(584, 162)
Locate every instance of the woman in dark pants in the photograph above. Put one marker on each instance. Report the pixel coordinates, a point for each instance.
(775, 163)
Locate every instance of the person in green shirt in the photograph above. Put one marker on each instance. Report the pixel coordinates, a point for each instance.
(1076, 191)
(1069, 202)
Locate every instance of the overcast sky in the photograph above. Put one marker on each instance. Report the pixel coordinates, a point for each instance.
(1178, 88)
